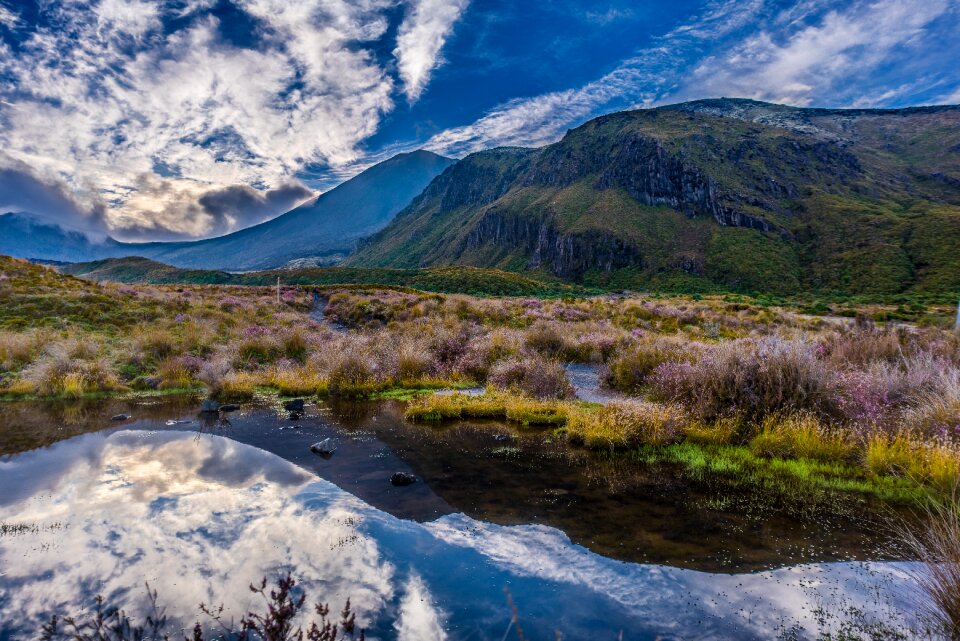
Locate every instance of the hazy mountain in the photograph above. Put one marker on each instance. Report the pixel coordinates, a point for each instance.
(327, 226)
(729, 192)
(27, 236)
(323, 228)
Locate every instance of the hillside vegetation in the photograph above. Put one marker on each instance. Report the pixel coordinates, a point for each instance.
(455, 279)
(717, 193)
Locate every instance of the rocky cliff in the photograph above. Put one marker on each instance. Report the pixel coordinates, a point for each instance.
(732, 193)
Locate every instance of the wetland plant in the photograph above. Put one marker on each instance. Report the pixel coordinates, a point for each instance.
(936, 543)
(283, 605)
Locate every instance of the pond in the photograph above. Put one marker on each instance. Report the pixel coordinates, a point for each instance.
(585, 544)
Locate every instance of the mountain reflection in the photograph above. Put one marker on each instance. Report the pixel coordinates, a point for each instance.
(200, 519)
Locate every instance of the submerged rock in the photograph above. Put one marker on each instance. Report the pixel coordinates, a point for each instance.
(120, 417)
(324, 448)
(401, 479)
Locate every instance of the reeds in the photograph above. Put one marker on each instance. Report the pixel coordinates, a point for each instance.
(936, 543)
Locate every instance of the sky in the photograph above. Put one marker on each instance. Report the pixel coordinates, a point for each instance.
(180, 119)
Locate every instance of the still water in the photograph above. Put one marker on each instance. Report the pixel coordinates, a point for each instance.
(583, 544)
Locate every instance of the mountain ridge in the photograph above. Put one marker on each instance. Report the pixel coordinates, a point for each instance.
(734, 192)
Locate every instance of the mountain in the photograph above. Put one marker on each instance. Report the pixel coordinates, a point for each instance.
(28, 236)
(714, 193)
(327, 227)
(324, 229)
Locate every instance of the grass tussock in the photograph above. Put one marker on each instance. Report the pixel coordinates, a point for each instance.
(936, 543)
(627, 424)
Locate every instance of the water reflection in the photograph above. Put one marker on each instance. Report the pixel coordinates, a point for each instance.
(202, 518)
(616, 506)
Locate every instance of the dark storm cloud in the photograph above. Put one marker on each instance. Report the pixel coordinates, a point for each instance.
(240, 206)
(21, 190)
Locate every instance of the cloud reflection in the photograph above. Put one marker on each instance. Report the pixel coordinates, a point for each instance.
(200, 519)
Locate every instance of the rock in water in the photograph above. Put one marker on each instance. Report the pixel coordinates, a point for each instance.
(324, 448)
(120, 417)
(296, 405)
(401, 479)
(209, 405)
(229, 407)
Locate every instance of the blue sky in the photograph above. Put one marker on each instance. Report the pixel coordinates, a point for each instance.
(189, 118)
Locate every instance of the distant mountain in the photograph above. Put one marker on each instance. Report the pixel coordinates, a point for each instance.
(325, 227)
(714, 193)
(322, 229)
(27, 236)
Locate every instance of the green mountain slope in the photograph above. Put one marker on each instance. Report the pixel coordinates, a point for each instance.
(734, 193)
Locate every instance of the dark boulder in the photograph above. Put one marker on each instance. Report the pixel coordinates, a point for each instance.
(296, 405)
(120, 417)
(229, 407)
(402, 479)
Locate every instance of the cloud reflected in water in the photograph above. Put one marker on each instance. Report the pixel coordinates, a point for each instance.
(200, 519)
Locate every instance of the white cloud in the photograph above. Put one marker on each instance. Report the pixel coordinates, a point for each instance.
(418, 619)
(8, 18)
(800, 63)
(102, 98)
(426, 26)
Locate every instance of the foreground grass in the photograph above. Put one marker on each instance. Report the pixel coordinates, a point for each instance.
(780, 451)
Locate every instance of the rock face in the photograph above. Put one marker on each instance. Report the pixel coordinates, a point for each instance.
(565, 255)
(730, 191)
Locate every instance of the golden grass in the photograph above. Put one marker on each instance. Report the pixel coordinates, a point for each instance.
(626, 424)
(494, 405)
(801, 436)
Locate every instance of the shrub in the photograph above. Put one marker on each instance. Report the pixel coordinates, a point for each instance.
(526, 411)
(630, 369)
(257, 351)
(723, 431)
(294, 346)
(888, 454)
(296, 381)
(412, 362)
(156, 343)
(753, 378)
(545, 338)
(178, 372)
(350, 373)
(19, 348)
(936, 543)
(532, 375)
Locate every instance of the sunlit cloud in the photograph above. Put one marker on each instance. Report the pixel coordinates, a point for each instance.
(424, 30)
